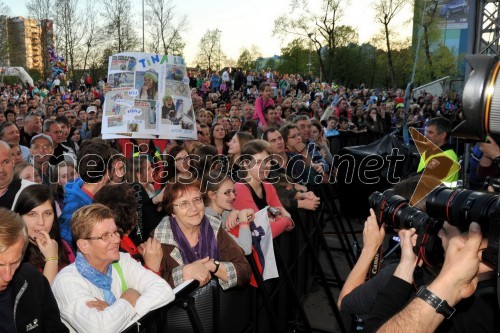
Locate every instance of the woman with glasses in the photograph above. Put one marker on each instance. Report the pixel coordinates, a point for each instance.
(46, 250)
(178, 164)
(105, 290)
(219, 197)
(195, 245)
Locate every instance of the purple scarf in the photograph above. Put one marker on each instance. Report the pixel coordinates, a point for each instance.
(207, 244)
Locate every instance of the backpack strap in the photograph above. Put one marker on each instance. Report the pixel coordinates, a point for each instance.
(117, 267)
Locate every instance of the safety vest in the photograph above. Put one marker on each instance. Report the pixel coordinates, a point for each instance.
(157, 155)
(452, 175)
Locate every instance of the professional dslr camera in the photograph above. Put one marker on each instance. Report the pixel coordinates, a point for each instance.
(457, 207)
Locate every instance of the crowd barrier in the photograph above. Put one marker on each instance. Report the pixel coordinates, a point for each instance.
(277, 304)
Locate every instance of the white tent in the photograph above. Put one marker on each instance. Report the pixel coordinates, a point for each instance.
(17, 71)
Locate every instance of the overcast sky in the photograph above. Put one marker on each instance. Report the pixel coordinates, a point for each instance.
(244, 22)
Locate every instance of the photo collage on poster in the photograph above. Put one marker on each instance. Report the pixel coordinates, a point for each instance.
(148, 97)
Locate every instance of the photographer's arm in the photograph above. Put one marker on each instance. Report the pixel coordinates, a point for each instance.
(399, 289)
(373, 237)
(457, 280)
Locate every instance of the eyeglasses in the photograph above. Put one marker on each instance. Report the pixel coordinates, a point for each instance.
(182, 159)
(71, 117)
(188, 204)
(227, 193)
(106, 236)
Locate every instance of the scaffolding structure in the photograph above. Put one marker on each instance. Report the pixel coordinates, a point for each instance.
(486, 28)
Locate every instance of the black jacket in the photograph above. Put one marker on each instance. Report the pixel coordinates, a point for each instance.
(35, 308)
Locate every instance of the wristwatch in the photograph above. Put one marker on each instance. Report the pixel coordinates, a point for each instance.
(217, 264)
(495, 160)
(441, 306)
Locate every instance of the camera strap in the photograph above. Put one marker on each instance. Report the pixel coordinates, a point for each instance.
(376, 262)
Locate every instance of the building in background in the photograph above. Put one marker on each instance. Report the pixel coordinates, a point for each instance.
(27, 42)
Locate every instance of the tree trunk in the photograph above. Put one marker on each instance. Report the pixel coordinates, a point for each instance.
(321, 63)
(389, 56)
(428, 54)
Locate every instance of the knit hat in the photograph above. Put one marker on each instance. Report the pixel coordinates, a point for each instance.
(150, 74)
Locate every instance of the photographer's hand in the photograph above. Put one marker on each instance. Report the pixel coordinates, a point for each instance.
(373, 237)
(408, 260)
(458, 277)
(490, 150)
(457, 280)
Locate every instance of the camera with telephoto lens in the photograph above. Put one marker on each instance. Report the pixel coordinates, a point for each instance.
(458, 207)
(396, 212)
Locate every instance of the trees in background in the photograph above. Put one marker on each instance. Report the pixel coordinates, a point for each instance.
(210, 55)
(318, 25)
(385, 12)
(119, 24)
(165, 27)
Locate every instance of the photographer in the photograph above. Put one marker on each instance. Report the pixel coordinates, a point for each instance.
(488, 164)
(458, 279)
(357, 296)
(477, 313)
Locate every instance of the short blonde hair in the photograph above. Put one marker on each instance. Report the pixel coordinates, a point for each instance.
(86, 218)
(12, 228)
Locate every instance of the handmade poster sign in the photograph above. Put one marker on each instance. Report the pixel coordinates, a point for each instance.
(148, 97)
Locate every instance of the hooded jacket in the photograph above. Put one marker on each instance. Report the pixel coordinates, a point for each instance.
(74, 199)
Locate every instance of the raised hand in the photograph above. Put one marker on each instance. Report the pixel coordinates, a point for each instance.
(47, 245)
(152, 253)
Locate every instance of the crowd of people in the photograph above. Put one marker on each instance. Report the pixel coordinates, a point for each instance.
(100, 231)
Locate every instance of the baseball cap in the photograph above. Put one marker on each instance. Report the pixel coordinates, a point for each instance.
(400, 105)
(91, 109)
(41, 135)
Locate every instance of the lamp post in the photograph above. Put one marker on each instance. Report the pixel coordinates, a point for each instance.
(218, 37)
(86, 56)
(143, 26)
(310, 47)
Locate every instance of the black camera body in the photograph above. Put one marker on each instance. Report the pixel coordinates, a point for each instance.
(458, 207)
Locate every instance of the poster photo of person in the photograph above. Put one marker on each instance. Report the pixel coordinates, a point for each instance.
(121, 80)
(167, 107)
(147, 114)
(175, 72)
(146, 84)
(122, 63)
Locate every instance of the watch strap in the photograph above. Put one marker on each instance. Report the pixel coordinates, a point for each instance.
(217, 264)
(441, 306)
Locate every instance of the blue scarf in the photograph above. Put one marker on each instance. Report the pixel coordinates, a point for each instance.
(97, 278)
